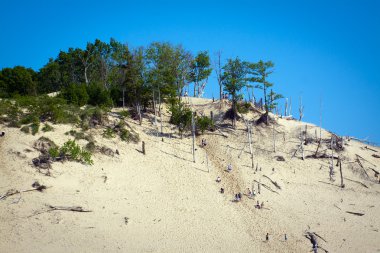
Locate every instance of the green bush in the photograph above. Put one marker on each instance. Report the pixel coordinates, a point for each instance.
(35, 127)
(204, 123)
(128, 136)
(76, 94)
(93, 116)
(72, 151)
(180, 116)
(54, 152)
(98, 95)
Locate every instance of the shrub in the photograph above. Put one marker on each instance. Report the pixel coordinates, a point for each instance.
(29, 118)
(204, 123)
(72, 151)
(47, 128)
(25, 129)
(109, 133)
(128, 136)
(98, 95)
(90, 146)
(92, 117)
(243, 107)
(76, 135)
(76, 94)
(54, 152)
(35, 127)
(124, 114)
(180, 116)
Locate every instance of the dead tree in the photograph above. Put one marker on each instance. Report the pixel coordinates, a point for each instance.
(193, 134)
(218, 72)
(300, 109)
(274, 140)
(286, 107)
(341, 175)
(143, 147)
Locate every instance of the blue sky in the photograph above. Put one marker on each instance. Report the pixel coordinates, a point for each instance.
(323, 50)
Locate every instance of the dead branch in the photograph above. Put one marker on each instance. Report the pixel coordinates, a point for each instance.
(265, 186)
(361, 165)
(376, 172)
(319, 236)
(11, 192)
(356, 182)
(273, 182)
(68, 208)
(366, 147)
(358, 156)
(354, 213)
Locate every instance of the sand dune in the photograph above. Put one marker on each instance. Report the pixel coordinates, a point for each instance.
(163, 202)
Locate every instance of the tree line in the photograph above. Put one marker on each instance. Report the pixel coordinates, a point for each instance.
(114, 74)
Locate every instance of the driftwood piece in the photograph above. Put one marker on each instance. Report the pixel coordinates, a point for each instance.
(273, 182)
(68, 208)
(280, 158)
(323, 156)
(267, 187)
(312, 237)
(11, 192)
(376, 172)
(366, 147)
(356, 182)
(355, 213)
(376, 156)
(361, 165)
(358, 156)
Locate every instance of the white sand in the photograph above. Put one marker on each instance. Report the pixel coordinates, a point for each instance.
(173, 204)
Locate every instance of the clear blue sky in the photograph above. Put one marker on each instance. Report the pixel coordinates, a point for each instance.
(327, 50)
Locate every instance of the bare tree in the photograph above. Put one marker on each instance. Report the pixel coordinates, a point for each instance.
(217, 64)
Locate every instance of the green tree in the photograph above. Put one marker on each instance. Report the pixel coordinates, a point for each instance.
(199, 72)
(259, 73)
(49, 78)
(180, 115)
(18, 81)
(168, 68)
(234, 80)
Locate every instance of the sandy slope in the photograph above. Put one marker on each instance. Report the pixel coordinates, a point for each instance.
(173, 205)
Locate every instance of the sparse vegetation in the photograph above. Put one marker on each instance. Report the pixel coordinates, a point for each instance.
(243, 107)
(72, 151)
(109, 133)
(47, 128)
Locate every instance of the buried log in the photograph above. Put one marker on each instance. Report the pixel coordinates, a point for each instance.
(273, 182)
(355, 213)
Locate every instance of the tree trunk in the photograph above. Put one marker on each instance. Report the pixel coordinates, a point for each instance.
(341, 174)
(85, 74)
(193, 133)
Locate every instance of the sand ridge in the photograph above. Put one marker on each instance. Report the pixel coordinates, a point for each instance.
(163, 202)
